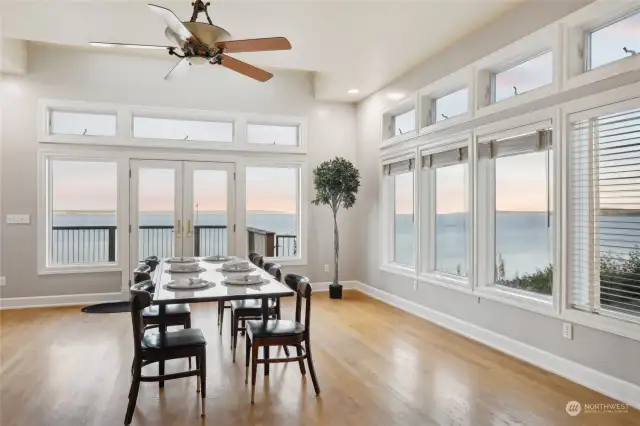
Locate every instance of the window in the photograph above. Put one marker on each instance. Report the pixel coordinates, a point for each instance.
(450, 105)
(531, 74)
(402, 224)
(446, 175)
(605, 214)
(522, 211)
(81, 123)
(268, 134)
(403, 123)
(188, 130)
(615, 41)
(82, 220)
(273, 211)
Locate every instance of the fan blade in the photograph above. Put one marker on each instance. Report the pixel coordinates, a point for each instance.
(131, 46)
(179, 69)
(245, 68)
(172, 21)
(255, 45)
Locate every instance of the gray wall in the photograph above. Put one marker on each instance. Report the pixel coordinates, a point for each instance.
(63, 73)
(605, 352)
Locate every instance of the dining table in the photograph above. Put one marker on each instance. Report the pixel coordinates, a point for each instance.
(217, 290)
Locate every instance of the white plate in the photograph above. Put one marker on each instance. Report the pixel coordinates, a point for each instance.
(188, 285)
(181, 260)
(217, 259)
(182, 271)
(240, 280)
(249, 269)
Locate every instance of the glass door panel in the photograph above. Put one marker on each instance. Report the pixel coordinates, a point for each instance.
(208, 194)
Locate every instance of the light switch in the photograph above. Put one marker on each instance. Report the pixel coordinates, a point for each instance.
(23, 219)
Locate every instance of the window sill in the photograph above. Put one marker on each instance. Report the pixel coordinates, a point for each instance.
(287, 261)
(78, 269)
(397, 139)
(399, 269)
(603, 72)
(538, 303)
(445, 124)
(609, 324)
(446, 280)
(515, 101)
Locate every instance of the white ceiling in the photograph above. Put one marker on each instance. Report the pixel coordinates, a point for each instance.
(348, 44)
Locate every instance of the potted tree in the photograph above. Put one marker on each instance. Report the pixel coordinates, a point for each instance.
(336, 182)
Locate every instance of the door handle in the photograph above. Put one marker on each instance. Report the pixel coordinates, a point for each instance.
(189, 228)
(179, 229)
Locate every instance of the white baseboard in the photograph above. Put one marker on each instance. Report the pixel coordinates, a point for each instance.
(62, 300)
(324, 286)
(613, 387)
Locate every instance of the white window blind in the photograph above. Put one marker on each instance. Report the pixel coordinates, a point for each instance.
(397, 167)
(445, 158)
(530, 142)
(605, 214)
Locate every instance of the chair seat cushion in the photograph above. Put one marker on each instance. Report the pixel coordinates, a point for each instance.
(250, 306)
(274, 328)
(190, 337)
(178, 309)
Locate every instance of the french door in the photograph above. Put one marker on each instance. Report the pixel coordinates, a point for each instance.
(181, 208)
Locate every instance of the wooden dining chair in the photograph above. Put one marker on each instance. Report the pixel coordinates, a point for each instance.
(149, 348)
(243, 310)
(283, 333)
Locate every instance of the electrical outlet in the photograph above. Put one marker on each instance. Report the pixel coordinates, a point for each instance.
(326, 268)
(567, 330)
(3, 281)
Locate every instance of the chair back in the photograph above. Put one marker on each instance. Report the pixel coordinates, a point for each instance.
(140, 298)
(252, 255)
(153, 262)
(258, 260)
(274, 269)
(303, 290)
(142, 273)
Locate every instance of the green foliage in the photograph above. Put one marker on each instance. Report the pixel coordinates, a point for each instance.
(336, 182)
(620, 277)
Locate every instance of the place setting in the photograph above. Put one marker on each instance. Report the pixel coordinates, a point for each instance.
(184, 268)
(237, 266)
(187, 284)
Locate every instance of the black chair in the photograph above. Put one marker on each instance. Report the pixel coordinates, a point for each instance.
(243, 310)
(252, 255)
(283, 333)
(149, 348)
(258, 260)
(153, 262)
(141, 273)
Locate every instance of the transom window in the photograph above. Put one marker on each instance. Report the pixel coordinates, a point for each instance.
(188, 130)
(400, 176)
(450, 105)
(270, 134)
(524, 77)
(403, 123)
(82, 123)
(521, 211)
(614, 41)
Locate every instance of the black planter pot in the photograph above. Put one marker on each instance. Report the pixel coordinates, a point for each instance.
(335, 291)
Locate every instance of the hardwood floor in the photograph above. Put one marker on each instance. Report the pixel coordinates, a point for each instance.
(376, 366)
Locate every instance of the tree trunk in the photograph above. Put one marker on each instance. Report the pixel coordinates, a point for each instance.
(336, 247)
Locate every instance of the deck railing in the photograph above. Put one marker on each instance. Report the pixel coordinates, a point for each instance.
(97, 244)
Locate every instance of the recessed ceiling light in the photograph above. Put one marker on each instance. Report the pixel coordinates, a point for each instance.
(396, 96)
(353, 91)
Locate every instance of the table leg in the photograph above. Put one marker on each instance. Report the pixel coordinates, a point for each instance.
(162, 326)
(265, 318)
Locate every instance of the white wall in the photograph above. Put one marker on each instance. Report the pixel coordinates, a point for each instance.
(63, 73)
(607, 353)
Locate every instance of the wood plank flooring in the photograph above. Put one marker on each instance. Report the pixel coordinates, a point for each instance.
(376, 365)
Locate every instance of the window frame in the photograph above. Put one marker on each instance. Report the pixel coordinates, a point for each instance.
(196, 142)
(485, 215)
(429, 94)
(494, 75)
(427, 271)
(578, 27)
(299, 122)
(388, 136)
(387, 214)
(302, 205)
(44, 219)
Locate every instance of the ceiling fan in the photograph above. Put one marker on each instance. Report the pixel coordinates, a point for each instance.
(202, 43)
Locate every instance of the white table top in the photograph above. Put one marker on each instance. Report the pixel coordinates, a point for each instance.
(218, 291)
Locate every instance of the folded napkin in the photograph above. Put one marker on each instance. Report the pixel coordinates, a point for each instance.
(237, 265)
